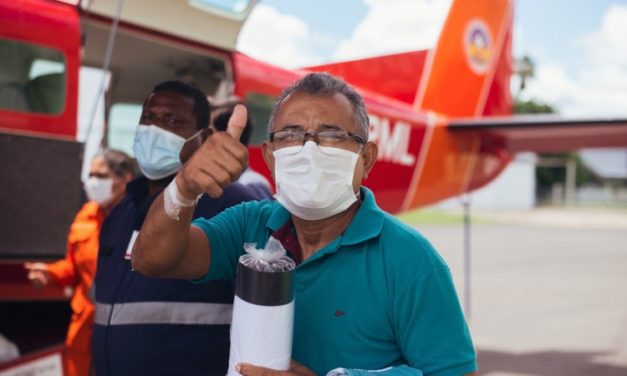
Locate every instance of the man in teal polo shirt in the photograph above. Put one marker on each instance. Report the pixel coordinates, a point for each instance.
(370, 292)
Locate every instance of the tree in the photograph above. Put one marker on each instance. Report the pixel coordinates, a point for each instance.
(532, 107)
(525, 69)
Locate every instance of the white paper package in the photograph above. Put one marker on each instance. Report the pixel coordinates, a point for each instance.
(263, 309)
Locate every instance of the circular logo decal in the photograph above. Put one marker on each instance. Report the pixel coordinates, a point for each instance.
(478, 43)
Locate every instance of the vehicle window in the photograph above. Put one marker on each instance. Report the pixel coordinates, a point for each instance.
(32, 78)
(260, 106)
(123, 120)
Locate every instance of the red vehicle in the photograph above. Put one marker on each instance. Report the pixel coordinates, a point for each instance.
(440, 117)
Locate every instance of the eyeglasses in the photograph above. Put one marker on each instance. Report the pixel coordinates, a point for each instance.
(331, 137)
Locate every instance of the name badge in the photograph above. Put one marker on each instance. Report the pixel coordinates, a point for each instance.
(131, 243)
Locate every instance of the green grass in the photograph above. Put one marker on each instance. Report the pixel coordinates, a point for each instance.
(435, 217)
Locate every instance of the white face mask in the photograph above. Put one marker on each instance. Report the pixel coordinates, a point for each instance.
(314, 182)
(99, 190)
(158, 151)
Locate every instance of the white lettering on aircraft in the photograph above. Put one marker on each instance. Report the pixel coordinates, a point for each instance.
(393, 143)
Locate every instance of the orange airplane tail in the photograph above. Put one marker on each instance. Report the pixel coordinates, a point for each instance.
(467, 73)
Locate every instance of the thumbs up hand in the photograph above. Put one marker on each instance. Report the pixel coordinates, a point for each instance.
(237, 122)
(218, 162)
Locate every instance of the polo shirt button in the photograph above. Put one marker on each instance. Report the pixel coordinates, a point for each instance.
(300, 287)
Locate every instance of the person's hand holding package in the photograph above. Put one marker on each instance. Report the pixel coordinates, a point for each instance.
(295, 369)
(299, 369)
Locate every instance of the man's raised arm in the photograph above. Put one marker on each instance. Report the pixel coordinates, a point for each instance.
(168, 246)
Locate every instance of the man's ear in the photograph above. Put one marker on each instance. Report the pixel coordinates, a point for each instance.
(268, 157)
(370, 153)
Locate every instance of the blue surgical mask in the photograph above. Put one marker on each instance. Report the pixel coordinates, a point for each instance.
(158, 151)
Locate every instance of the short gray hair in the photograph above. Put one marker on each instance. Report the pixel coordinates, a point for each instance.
(118, 162)
(324, 84)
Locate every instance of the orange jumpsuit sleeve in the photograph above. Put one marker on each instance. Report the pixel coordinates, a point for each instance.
(63, 272)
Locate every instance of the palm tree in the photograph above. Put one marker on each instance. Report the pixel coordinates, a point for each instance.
(525, 68)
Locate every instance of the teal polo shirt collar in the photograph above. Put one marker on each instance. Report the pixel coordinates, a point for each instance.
(278, 217)
(366, 224)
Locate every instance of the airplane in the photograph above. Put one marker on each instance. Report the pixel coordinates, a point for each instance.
(441, 117)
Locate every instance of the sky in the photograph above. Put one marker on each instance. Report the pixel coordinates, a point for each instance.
(579, 46)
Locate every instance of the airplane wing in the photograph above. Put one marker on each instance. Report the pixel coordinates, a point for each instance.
(541, 133)
(210, 22)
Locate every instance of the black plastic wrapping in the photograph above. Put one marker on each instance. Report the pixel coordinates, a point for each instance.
(263, 288)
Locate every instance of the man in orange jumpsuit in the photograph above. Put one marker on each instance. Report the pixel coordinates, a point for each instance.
(110, 171)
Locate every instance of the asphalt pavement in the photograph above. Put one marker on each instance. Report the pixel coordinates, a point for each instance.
(548, 290)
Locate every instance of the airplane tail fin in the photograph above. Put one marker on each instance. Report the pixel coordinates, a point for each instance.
(467, 73)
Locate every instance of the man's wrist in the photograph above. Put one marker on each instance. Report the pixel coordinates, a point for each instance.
(183, 194)
(174, 201)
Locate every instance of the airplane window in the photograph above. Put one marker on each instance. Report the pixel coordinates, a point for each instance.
(259, 106)
(32, 78)
(123, 120)
(231, 8)
(42, 67)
